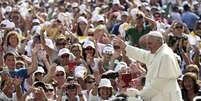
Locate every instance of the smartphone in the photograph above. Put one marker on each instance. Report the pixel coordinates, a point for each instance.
(126, 77)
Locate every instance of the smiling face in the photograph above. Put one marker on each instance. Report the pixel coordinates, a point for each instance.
(188, 84)
(105, 92)
(10, 62)
(13, 40)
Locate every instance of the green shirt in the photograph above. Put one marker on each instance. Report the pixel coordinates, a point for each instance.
(134, 35)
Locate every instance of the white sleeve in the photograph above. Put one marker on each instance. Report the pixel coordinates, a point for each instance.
(138, 54)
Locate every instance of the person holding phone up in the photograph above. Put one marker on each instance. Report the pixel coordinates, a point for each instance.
(163, 69)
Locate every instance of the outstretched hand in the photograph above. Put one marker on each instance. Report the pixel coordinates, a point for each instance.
(119, 42)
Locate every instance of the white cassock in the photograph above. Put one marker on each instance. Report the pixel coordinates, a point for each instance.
(163, 71)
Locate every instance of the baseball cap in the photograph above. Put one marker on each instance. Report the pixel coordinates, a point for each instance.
(64, 51)
(88, 43)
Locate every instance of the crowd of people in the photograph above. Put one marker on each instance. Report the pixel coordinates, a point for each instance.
(100, 50)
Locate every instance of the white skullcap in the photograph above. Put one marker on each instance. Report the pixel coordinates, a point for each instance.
(155, 34)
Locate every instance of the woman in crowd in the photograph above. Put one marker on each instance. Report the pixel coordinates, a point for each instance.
(190, 87)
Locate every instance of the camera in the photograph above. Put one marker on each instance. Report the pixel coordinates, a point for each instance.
(71, 86)
(110, 75)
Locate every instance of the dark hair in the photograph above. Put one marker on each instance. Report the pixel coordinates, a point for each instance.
(186, 7)
(36, 39)
(108, 88)
(79, 31)
(11, 34)
(9, 54)
(195, 83)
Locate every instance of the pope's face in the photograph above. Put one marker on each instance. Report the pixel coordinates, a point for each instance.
(153, 44)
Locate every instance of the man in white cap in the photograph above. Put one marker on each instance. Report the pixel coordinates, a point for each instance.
(163, 69)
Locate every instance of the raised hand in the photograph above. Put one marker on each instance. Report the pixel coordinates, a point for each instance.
(36, 48)
(17, 81)
(53, 68)
(120, 42)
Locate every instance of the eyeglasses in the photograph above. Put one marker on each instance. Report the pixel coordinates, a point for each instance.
(179, 27)
(50, 90)
(65, 56)
(60, 74)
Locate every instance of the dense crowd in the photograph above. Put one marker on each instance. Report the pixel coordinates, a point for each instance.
(79, 50)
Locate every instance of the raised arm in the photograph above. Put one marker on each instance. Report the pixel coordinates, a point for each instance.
(34, 59)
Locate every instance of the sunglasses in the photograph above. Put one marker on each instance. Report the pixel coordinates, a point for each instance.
(89, 48)
(157, 16)
(179, 27)
(38, 73)
(90, 34)
(90, 82)
(50, 90)
(65, 56)
(60, 74)
(116, 47)
(60, 43)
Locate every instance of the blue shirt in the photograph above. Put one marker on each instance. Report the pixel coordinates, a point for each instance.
(23, 73)
(189, 18)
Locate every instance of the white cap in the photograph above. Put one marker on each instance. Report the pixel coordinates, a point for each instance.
(36, 21)
(155, 34)
(108, 49)
(133, 12)
(80, 71)
(82, 19)
(99, 18)
(120, 66)
(88, 43)
(8, 9)
(39, 70)
(8, 24)
(74, 4)
(115, 2)
(195, 2)
(105, 83)
(64, 51)
(82, 7)
(36, 29)
(60, 69)
(49, 43)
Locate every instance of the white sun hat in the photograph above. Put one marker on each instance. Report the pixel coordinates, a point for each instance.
(64, 51)
(7, 24)
(81, 71)
(105, 83)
